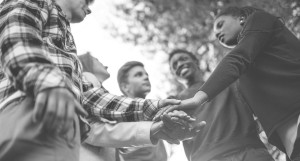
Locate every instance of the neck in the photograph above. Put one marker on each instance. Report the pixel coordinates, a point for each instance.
(63, 5)
(195, 79)
(137, 95)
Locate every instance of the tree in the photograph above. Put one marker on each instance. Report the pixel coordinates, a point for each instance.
(163, 25)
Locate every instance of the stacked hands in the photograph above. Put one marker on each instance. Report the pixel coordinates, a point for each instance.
(174, 127)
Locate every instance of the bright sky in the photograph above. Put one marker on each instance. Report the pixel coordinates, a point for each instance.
(90, 36)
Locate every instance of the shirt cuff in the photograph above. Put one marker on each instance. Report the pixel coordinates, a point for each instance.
(143, 134)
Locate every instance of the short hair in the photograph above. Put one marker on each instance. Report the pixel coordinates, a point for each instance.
(238, 11)
(87, 62)
(123, 72)
(90, 2)
(177, 51)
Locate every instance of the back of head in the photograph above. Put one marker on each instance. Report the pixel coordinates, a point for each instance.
(87, 62)
(237, 11)
(123, 72)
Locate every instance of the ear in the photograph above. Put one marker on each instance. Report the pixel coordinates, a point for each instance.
(124, 87)
(242, 20)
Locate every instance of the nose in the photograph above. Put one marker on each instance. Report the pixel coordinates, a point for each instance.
(89, 11)
(146, 77)
(179, 64)
(218, 34)
(106, 67)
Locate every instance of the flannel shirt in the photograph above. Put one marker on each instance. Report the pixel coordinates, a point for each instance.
(38, 53)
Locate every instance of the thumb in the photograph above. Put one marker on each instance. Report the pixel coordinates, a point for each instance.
(79, 109)
(198, 127)
(166, 102)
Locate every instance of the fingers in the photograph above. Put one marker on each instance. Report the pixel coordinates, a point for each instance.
(70, 113)
(201, 125)
(181, 115)
(60, 106)
(163, 111)
(159, 131)
(169, 139)
(160, 113)
(39, 107)
(166, 102)
(50, 118)
(172, 108)
(168, 123)
(197, 128)
(60, 122)
(79, 109)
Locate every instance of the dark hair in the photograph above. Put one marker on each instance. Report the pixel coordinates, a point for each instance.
(177, 51)
(87, 62)
(123, 72)
(90, 2)
(238, 11)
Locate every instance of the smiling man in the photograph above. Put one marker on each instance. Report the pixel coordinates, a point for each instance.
(230, 133)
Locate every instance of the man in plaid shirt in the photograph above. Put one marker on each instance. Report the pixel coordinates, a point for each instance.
(41, 87)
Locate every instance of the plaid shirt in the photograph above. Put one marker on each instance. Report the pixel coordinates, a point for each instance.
(38, 52)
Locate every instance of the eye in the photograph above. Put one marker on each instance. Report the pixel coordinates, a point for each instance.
(220, 24)
(174, 65)
(139, 74)
(183, 58)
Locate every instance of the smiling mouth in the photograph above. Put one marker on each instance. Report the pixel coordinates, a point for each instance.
(221, 38)
(183, 68)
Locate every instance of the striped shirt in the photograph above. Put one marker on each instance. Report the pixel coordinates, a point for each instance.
(38, 53)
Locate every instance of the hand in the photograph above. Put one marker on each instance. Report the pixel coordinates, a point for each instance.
(181, 130)
(192, 103)
(159, 131)
(57, 108)
(167, 102)
(180, 117)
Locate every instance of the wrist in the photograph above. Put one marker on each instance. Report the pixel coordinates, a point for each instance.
(200, 98)
(155, 128)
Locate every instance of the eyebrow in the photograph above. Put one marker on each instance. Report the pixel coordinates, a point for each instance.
(89, 2)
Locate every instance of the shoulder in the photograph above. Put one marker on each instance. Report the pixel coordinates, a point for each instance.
(260, 21)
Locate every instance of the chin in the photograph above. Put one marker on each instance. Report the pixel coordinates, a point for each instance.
(77, 20)
(229, 44)
(147, 90)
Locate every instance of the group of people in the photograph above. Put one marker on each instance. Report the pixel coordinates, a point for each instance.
(53, 105)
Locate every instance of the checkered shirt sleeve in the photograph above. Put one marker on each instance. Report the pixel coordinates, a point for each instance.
(100, 103)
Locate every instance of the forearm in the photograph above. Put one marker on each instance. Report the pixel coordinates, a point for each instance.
(254, 39)
(98, 102)
(127, 134)
(190, 104)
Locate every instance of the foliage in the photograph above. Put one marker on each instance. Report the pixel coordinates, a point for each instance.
(163, 25)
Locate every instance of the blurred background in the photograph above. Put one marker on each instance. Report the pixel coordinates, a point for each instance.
(118, 31)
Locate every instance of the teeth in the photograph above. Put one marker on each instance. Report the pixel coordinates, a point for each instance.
(183, 70)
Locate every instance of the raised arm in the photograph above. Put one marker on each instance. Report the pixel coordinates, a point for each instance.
(100, 103)
(255, 37)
